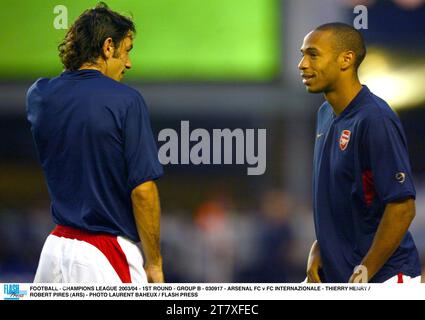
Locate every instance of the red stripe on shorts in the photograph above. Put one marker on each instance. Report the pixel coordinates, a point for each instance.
(106, 243)
(400, 277)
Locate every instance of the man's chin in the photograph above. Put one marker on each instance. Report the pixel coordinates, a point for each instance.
(313, 90)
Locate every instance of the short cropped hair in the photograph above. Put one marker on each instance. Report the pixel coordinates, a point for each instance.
(346, 38)
(84, 40)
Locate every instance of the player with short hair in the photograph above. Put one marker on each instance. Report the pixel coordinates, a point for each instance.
(95, 145)
(363, 192)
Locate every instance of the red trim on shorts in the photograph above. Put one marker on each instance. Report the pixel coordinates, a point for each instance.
(400, 277)
(106, 243)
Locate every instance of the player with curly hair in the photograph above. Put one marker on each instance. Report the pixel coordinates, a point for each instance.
(95, 145)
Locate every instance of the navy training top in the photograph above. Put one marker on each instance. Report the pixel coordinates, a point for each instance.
(360, 164)
(95, 145)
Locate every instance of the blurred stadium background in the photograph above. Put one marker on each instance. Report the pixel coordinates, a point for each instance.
(219, 64)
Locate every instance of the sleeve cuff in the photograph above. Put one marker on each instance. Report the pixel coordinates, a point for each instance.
(400, 196)
(143, 180)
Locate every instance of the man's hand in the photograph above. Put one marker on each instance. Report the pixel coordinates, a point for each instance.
(314, 263)
(154, 274)
(393, 227)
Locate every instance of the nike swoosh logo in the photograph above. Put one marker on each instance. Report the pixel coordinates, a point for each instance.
(319, 135)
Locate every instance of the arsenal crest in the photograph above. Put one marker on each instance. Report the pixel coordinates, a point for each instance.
(344, 139)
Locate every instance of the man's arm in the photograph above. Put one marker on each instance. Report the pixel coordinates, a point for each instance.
(314, 263)
(393, 226)
(147, 212)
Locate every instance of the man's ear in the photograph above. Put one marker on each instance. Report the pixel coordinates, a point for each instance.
(347, 59)
(108, 48)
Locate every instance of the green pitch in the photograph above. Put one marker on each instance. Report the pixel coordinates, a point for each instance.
(187, 40)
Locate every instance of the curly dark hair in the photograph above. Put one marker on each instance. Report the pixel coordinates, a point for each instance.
(84, 41)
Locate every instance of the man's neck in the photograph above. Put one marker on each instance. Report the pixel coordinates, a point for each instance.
(343, 94)
(91, 67)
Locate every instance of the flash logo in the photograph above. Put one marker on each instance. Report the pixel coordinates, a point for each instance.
(400, 177)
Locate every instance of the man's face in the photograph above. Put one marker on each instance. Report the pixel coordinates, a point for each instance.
(319, 66)
(119, 62)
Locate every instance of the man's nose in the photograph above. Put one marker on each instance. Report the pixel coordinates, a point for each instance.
(302, 64)
(128, 64)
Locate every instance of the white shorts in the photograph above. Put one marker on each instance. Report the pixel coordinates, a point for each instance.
(400, 278)
(70, 255)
